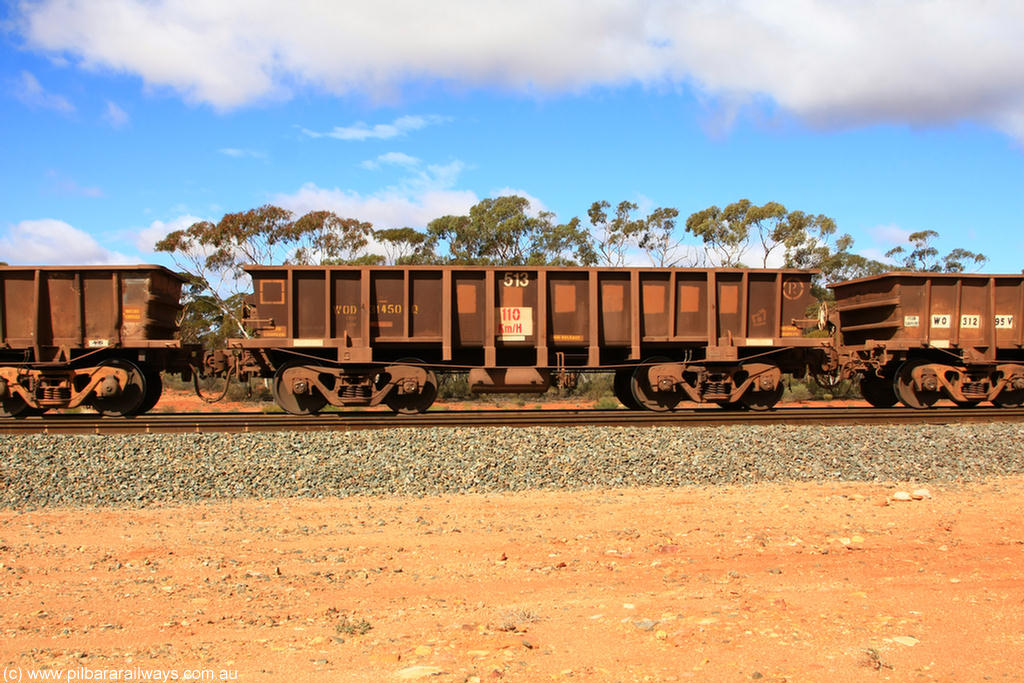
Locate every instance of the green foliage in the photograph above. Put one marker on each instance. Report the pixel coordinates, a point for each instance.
(253, 391)
(361, 260)
(405, 246)
(813, 243)
(616, 233)
(924, 257)
(321, 235)
(500, 232)
(725, 232)
(267, 235)
(654, 234)
(772, 226)
(819, 389)
(204, 319)
(353, 627)
(804, 240)
(454, 385)
(594, 385)
(657, 238)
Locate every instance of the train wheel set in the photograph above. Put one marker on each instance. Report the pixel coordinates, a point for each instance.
(117, 387)
(920, 383)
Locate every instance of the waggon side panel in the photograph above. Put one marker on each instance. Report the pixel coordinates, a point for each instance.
(569, 308)
(88, 307)
(19, 304)
(543, 316)
(469, 302)
(902, 311)
(616, 308)
(424, 314)
(1009, 311)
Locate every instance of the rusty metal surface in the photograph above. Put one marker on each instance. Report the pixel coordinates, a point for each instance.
(975, 313)
(525, 316)
(51, 310)
(346, 421)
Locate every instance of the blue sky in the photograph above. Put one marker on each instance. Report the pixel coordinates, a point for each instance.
(125, 119)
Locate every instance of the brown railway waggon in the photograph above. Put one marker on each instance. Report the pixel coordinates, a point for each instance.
(367, 335)
(919, 337)
(96, 336)
(362, 336)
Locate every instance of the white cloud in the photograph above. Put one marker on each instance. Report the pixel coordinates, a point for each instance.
(360, 130)
(880, 239)
(115, 116)
(69, 186)
(832, 62)
(157, 230)
(53, 242)
(849, 63)
(890, 234)
(875, 254)
(391, 159)
(391, 208)
(239, 153)
(423, 195)
(30, 91)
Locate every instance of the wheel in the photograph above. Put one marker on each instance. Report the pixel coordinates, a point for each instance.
(903, 386)
(762, 400)
(645, 395)
(967, 404)
(410, 404)
(131, 396)
(12, 405)
(33, 412)
(304, 403)
(1009, 399)
(154, 388)
(877, 391)
(622, 389)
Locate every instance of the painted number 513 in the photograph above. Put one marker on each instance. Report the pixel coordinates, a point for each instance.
(516, 279)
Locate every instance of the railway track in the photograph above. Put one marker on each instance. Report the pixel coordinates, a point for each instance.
(347, 421)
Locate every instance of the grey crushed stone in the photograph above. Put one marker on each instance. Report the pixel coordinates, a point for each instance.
(138, 470)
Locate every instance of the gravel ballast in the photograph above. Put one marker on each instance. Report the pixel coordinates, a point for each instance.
(137, 470)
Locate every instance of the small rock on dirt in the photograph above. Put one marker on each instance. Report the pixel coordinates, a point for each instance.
(413, 673)
(645, 624)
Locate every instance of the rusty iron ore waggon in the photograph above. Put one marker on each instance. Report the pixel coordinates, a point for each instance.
(87, 336)
(363, 336)
(919, 337)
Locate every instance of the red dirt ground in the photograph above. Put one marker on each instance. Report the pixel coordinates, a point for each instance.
(808, 582)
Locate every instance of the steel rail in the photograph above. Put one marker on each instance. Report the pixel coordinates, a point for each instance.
(352, 420)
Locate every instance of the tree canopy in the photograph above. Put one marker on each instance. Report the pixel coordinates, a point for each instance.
(405, 246)
(500, 231)
(923, 256)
